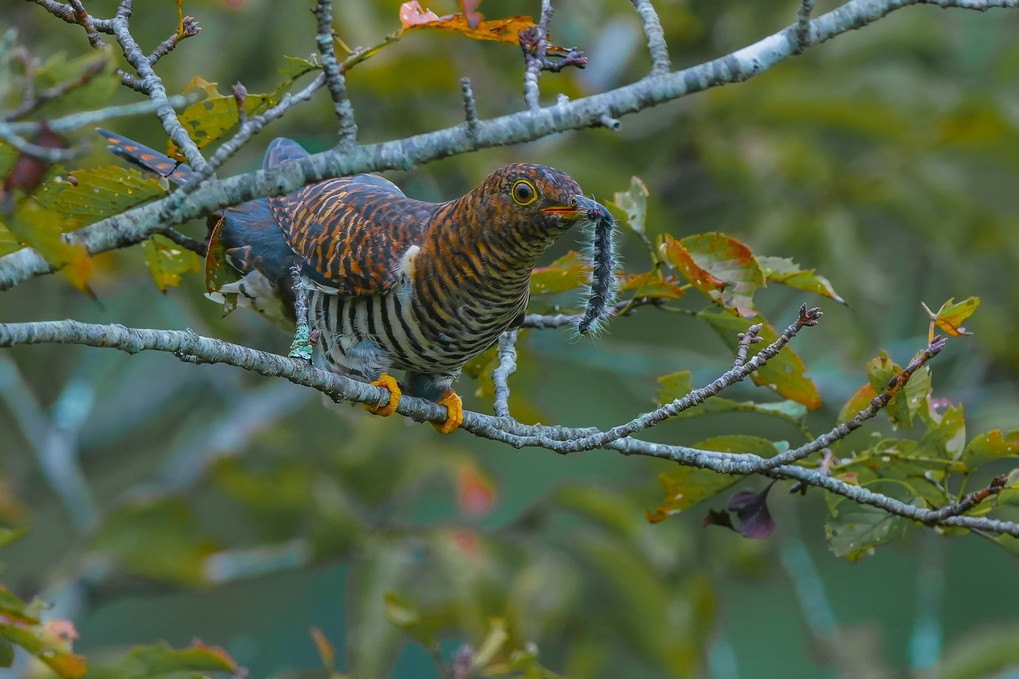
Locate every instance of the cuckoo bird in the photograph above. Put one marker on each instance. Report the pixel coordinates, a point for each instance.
(391, 282)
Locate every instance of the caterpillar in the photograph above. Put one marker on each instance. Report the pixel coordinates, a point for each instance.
(601, 293)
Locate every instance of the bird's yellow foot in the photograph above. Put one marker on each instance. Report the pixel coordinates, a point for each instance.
(454, 412)
(386, 382)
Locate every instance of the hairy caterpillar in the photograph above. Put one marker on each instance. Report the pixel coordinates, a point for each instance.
(601, 293)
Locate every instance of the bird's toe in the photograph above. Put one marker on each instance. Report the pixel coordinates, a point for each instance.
(454, 412)
(389, 383)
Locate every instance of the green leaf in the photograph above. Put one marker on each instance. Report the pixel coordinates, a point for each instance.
(653, 284)
(168, 262)
(6, 652)
(719, 266)
(296, 67)
(9, 535)
(1012, 545)
(93, 194)
(990, 447)
(686, 486)
(677, 385)
(569, 272)
(15, 609)
(784, 373)
(497, 636)
(909, 400)
(8, 241)
(787, 272)
(209, 119)
(158, 539)
(854, 530)
(951, 315)
(50, 642)
(405, 615)
(946, 433)
(96, 93)
(161, 659)
(633, 203)
(42, 229)
(1009, 494)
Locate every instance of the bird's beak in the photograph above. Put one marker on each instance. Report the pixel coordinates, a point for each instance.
(580, 209)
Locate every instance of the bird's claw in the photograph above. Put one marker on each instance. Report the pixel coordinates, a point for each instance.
(454, 412)
(387, 382)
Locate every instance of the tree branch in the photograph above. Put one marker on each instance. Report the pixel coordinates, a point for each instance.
(154, 87)
(334, 77)
(656, 45)
(136, 225)
(191, 348)
(500, 376)
(895, 385)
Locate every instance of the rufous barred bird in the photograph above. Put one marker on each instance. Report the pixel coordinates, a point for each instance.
(392, 282)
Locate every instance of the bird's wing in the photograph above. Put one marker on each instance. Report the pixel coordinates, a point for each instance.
(353, 233)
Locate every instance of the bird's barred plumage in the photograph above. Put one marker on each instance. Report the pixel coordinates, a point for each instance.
(393, 282)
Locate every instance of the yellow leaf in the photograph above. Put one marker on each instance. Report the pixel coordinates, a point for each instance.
(951, 315)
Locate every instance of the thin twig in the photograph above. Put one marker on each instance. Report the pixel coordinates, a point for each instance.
(301, 346)
(199, 247)
(136, 225)
(500, 376)
(249, 127)
(191, 348)
(470, 107)
(33, 100)
(807, 318)
(534, 43)
(85, 20)
(156, 91)
(656, 45)
(47, 154)
(747, 338)
(335, 80)
(803, 25)
(624, 308)
(190, 28)
(841, 431)
(71, 16)
(88, 118)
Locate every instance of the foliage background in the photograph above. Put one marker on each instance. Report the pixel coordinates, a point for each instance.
(886, 159)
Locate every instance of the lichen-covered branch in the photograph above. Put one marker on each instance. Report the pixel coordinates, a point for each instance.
(153, 85)
(507, 354)
(334, 77)
(191, 348)
(136, 225)
(656, 45)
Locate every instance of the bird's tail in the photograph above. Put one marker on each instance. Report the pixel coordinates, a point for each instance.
(146, 158)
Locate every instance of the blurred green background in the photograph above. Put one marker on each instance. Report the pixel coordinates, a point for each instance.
(172, 502)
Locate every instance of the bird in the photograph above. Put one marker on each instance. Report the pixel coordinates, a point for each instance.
(391, 282)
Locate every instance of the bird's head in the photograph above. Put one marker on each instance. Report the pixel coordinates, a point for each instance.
(534, 204)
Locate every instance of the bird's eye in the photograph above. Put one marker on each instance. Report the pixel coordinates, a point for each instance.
(523, 192)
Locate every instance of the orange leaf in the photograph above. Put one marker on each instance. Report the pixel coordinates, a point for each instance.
(469, 23)
(326, 651)
(500, 30)
(721, 267)
(651, 285)
(857, 402)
